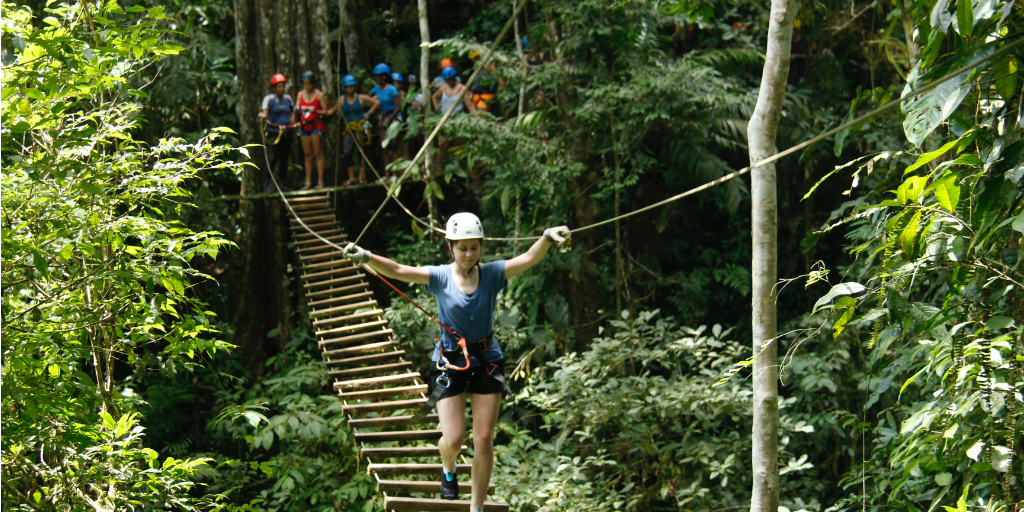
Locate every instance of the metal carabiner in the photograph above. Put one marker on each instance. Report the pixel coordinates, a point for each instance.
(443, 380)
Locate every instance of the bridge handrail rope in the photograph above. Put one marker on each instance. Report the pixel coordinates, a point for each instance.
(777, 156)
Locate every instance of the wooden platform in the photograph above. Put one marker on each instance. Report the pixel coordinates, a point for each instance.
(379, 388)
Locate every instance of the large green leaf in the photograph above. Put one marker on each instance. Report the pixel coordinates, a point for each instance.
(925, 112)
(1005, 73)
(947, 191)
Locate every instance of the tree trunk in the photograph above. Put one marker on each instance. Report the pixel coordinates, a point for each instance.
(584, 295)
(355, 55)
(913, 43)
(424, 56)
(522, 64)
(761, 134)
(289, 37)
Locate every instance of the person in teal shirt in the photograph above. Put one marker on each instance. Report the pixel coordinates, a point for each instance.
(390, 98)
(466, 293)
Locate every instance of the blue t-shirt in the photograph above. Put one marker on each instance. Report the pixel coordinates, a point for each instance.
(279, 108)
(386, 96)
(471, 315)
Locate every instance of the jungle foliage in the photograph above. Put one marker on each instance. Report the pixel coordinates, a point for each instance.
(901, 311)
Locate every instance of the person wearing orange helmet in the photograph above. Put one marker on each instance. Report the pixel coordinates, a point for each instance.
(278, 112)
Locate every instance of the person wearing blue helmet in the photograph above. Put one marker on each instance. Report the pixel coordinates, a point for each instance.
(445, 98)
(389, 97)
(357, 126)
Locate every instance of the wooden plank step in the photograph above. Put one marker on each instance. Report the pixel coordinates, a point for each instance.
(415, 403)
(353, 327)
(416, 469)
(431, 505)
(374, 394)
(347, 340)
(376, 381)
(307, 209)
(400, 436)
(371, 358)
(334, 253)
(311, 218)
(331, 282)
(346, 307)
(353, 316)
(332, 272)
(331, 291)
(361, 349)
(309, 199)
(339, 299)
(326, 264)
(312, 244)
(305, 237)
(424, 486)
(402, 451)
(390, 421)
(315, 227)
(369, 370)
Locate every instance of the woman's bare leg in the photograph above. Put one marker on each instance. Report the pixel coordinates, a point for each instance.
(485, 417)
(307, 153)
(451, 412)
(318, 152)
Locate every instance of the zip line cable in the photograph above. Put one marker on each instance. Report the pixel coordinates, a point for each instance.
(447, 114)
(884, 108)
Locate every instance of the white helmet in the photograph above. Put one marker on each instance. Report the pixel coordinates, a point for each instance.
(463, 226)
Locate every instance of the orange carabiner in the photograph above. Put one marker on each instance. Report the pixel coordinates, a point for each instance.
(465, 352)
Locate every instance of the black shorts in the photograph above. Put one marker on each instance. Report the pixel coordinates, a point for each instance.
(475, 380)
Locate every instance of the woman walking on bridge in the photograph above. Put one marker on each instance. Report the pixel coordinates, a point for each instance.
(357, 127)
(466, 293)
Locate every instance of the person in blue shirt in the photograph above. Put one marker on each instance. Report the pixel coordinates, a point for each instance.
(278, 111)
(390, 98)
(466, 293)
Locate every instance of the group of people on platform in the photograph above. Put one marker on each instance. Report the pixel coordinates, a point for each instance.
(284, 117)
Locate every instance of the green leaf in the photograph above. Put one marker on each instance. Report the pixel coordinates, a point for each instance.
(925, 112)
(1005, 73)
(839, 290)
(947, 192)
(943, 479)
(965, 17)
(848, 305)
(90, 188)
(998, 323)
(931, 155)
(273, 332)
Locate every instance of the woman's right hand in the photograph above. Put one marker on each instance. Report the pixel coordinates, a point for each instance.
(263, 114)
(356, 253)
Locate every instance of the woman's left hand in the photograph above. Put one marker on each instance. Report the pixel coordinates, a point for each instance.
(558, 235)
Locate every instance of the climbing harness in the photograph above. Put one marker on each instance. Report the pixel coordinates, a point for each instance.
(358, 130)
(281, 128)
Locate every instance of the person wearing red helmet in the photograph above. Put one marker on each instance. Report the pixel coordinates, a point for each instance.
(278, 112)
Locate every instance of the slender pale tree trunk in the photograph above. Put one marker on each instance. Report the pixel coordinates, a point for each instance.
(425, 89)
(913, 43)
(761, 134)
(522, 63)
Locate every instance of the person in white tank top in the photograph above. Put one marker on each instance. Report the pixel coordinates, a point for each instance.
(443, 99)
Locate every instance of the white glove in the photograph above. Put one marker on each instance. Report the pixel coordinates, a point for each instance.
(558, 234)
(366, 126)
(356, 253)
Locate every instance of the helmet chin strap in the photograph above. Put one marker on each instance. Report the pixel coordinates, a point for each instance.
(450, 251)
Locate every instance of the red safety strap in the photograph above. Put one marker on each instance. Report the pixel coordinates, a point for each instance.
(462, 340)
(283, 125)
